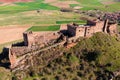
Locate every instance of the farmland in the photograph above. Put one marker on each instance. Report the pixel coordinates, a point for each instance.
(68, 21)
(44, 28)
(45, 12)
(45, 16)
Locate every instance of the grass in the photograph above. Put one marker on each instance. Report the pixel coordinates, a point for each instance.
(96, 4)
(21, 7)
(37, 5)
(34, 18)
(74, 5)
(25, 13)
(8, 44)
(45, 28)
(108, 46)
(70, 21)
(5, 74)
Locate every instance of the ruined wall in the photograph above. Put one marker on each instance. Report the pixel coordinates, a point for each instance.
(80, 31)
(91, 27)
(35, 41)
(18, 62)
(16, 52)
(99, 26)
(92, 23)
(113, 29)
(12, 58)
(35, 38)
(71, 30)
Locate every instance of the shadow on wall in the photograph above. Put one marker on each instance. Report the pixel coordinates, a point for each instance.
(18, 44)
(4, 59)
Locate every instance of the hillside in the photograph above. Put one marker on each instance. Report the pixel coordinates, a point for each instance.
(94, 58)
(91, 59)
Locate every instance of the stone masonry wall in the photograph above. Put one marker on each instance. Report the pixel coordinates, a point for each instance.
(35, 38)
(113, 29)
(34, 42)
(21, 60)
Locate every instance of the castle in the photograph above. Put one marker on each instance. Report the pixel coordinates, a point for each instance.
(34, 43)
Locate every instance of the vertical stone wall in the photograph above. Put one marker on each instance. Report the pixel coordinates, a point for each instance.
(113, 29)
(80, 31)
(71, 30)
(99, 26)
(35, 38)
(91, 27)
(12, 58)
(28, 38)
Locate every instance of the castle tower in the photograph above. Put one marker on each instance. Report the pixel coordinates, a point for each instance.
(28, 38)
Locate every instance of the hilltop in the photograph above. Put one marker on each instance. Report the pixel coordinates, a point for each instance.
(94, 58)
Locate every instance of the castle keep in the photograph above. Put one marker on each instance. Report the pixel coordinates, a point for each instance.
(34, 42)
(91, 27)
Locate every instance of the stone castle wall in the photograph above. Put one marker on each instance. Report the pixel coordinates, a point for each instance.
(90, 28)
(17, 60)
(36, 38)
(113, 29)
(36, 43)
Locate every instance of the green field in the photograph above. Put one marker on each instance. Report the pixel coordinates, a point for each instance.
(39, 4)
(34, 18)
(29, 6)
(45, 28)
(97, 4)
(70, 21)
(20, 13)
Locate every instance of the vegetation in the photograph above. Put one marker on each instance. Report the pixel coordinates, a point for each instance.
(72, 21)
(93, 58)
(8, 43)
(29, 6)
(89, 59)
(97, 4)
(44, 28)
(4, 74)
(107, 48)
(33, 18)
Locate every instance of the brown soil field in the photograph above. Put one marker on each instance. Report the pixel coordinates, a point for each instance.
(108, 2)
(61, 4)
(11, 33)
(49, 1)
(8, 1)
(6, 4)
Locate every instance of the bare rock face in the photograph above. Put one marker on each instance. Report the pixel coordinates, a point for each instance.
(9, 1)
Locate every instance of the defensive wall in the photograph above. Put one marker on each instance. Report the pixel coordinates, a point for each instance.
(35, 43)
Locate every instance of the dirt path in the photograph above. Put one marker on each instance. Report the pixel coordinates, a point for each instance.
(8, 33)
